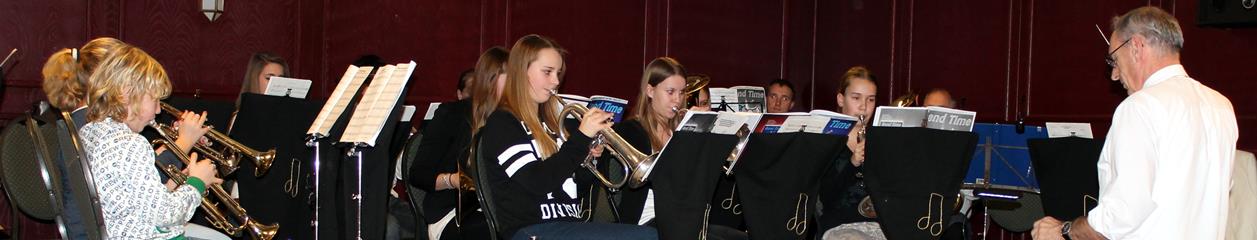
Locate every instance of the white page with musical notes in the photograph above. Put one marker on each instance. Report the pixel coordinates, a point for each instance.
(378, 102)
(339, 100)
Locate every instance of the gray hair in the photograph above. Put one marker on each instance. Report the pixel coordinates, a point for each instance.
(1154, 24)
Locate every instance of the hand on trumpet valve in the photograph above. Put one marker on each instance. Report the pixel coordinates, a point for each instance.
(191, 128)
(203, 169)
(594, 121)
(855, 142)
(596, 150)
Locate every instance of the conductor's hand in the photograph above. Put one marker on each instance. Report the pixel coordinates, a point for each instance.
(1047, 228)
(594, 121)
(203, 169)
(855, 143)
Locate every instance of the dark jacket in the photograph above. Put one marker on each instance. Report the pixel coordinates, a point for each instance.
(529, 190)
(632, 200)
(840, 195)
(443, 146)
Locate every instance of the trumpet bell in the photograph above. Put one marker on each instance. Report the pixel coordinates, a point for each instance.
(263, 161)
(261, 231)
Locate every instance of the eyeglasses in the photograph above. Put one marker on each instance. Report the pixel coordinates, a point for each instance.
(1110, 59)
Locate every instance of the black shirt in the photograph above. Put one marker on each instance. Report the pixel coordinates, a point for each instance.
(444, 144)
(529, 190)
(841, 193)
(632, 200)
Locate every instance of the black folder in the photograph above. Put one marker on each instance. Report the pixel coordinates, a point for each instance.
(1066, 170)
(913, 176)
(265, 122)
(779, 179)
(684, 179)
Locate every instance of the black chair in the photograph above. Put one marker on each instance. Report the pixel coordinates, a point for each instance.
(415, 194)
(483, 192)
(82, 184)
(44, 134)
(30, 183)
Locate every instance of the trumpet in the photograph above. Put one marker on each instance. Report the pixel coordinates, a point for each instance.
(636, 165)
(232, 151)
(215, 216)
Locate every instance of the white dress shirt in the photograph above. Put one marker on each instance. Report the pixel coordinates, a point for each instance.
(1165, 170)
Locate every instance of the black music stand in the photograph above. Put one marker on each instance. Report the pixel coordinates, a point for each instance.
(684, 178)
(377, 178)
(779, 178)
(266, 122)
(1066, 170)
(914, 177)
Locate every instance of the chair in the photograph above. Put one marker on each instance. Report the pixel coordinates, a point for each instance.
(29, 182)
(82, 184)
(484, 193)
(415, 194)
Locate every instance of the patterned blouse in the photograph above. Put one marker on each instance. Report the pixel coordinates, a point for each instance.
(135, 203)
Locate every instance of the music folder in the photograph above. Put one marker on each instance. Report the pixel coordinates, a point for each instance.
(914, 176)
(280, 196)
(684, 180)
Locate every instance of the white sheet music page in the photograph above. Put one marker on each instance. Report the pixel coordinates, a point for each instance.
(288, 87)
(369, 119)
(340, 98)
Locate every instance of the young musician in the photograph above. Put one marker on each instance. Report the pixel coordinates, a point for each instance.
(649, 128)
(841, 188)
(445, 144)
(65, 82)
(123, 99)
(700, 99)
(533, 165)
(262, 66)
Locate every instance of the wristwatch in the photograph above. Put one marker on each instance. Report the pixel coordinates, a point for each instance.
(1065, 228)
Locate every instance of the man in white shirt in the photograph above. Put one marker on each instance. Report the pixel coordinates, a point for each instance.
(1165, 170)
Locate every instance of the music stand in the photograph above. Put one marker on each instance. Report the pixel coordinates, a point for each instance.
(1067, 174)
(684, 178)
(779, 177)
(914, 177)
(266, 122)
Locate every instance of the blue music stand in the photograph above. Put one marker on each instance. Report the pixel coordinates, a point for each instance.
(1001, 165)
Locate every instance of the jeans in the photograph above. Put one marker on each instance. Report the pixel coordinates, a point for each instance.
(584, 230)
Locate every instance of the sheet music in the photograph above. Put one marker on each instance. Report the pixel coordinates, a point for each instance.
(336, 104)
(1061, 129)
(408, 112)
(431, 111)
(373, 112)
(288, 87)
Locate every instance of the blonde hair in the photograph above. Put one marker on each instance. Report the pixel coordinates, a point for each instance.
(66, 71)
(516, 97)
(483, 85)
(658, 70)
(120, 82)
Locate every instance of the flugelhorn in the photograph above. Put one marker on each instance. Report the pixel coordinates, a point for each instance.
(636, 164)
(215, 216)
(233, 150)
